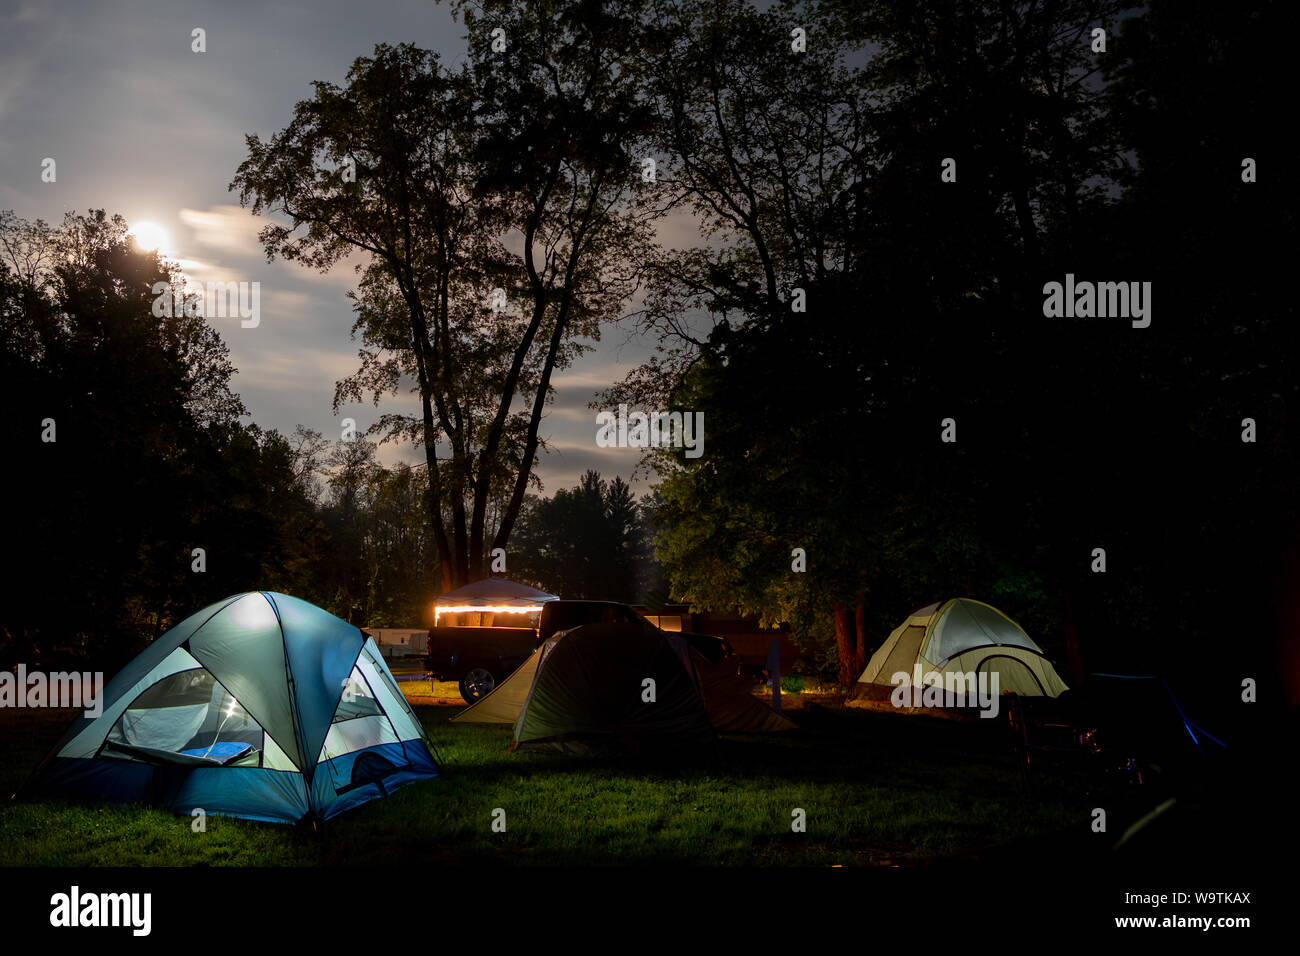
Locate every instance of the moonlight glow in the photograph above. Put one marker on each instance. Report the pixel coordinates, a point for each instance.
(149, 235)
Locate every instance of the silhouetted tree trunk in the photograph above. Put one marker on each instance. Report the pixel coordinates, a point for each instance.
(1075, 673)
(860, 623)
(844, 640)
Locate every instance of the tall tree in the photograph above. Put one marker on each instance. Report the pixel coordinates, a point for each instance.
(380, 168)
(565, 129)
(491, 210)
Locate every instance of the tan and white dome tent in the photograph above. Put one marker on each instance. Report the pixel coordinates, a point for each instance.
(961, 636)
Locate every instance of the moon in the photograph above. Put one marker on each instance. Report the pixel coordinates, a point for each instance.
(149, 235)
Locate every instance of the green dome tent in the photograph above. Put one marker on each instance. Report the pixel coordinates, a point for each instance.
(260, 706)
(584, 692)
(961, 636)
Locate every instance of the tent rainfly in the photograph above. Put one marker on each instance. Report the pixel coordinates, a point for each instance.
(495, 595)
(961, 636)
(586, 691)
(260, 706)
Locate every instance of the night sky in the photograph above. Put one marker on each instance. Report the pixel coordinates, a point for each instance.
(140, 125)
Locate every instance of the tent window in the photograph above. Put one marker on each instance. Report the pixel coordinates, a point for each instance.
(186, 718)
(358, 700)
(359, 722)
(388, 681)
(353, 735)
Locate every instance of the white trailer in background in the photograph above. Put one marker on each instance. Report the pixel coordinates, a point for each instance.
(399, 641)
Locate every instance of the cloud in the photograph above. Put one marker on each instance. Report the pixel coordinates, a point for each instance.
(229, 228)
(565, 462)
(680, 229)
(234, 230)
(570, 413)
(615, 458)
(297, 370)
(200, 270)
(594, 378)
(31, 35)
(30, 11)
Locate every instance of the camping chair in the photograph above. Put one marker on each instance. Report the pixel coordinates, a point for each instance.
(1041, 728)
(1121, 725)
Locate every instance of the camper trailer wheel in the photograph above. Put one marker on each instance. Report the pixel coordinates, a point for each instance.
(476, 683)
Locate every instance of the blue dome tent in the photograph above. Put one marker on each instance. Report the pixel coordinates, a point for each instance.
(260, 706)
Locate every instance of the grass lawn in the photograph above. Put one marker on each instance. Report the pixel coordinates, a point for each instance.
(443, 691)
(877, 789)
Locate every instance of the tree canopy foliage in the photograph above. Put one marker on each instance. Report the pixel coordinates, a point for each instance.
(825, 425)
(131, 454)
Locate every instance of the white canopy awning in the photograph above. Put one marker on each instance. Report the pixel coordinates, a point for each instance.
(492, 595)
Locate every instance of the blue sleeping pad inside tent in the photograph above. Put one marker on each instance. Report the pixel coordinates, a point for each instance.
(217, 756)
(222, 753)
